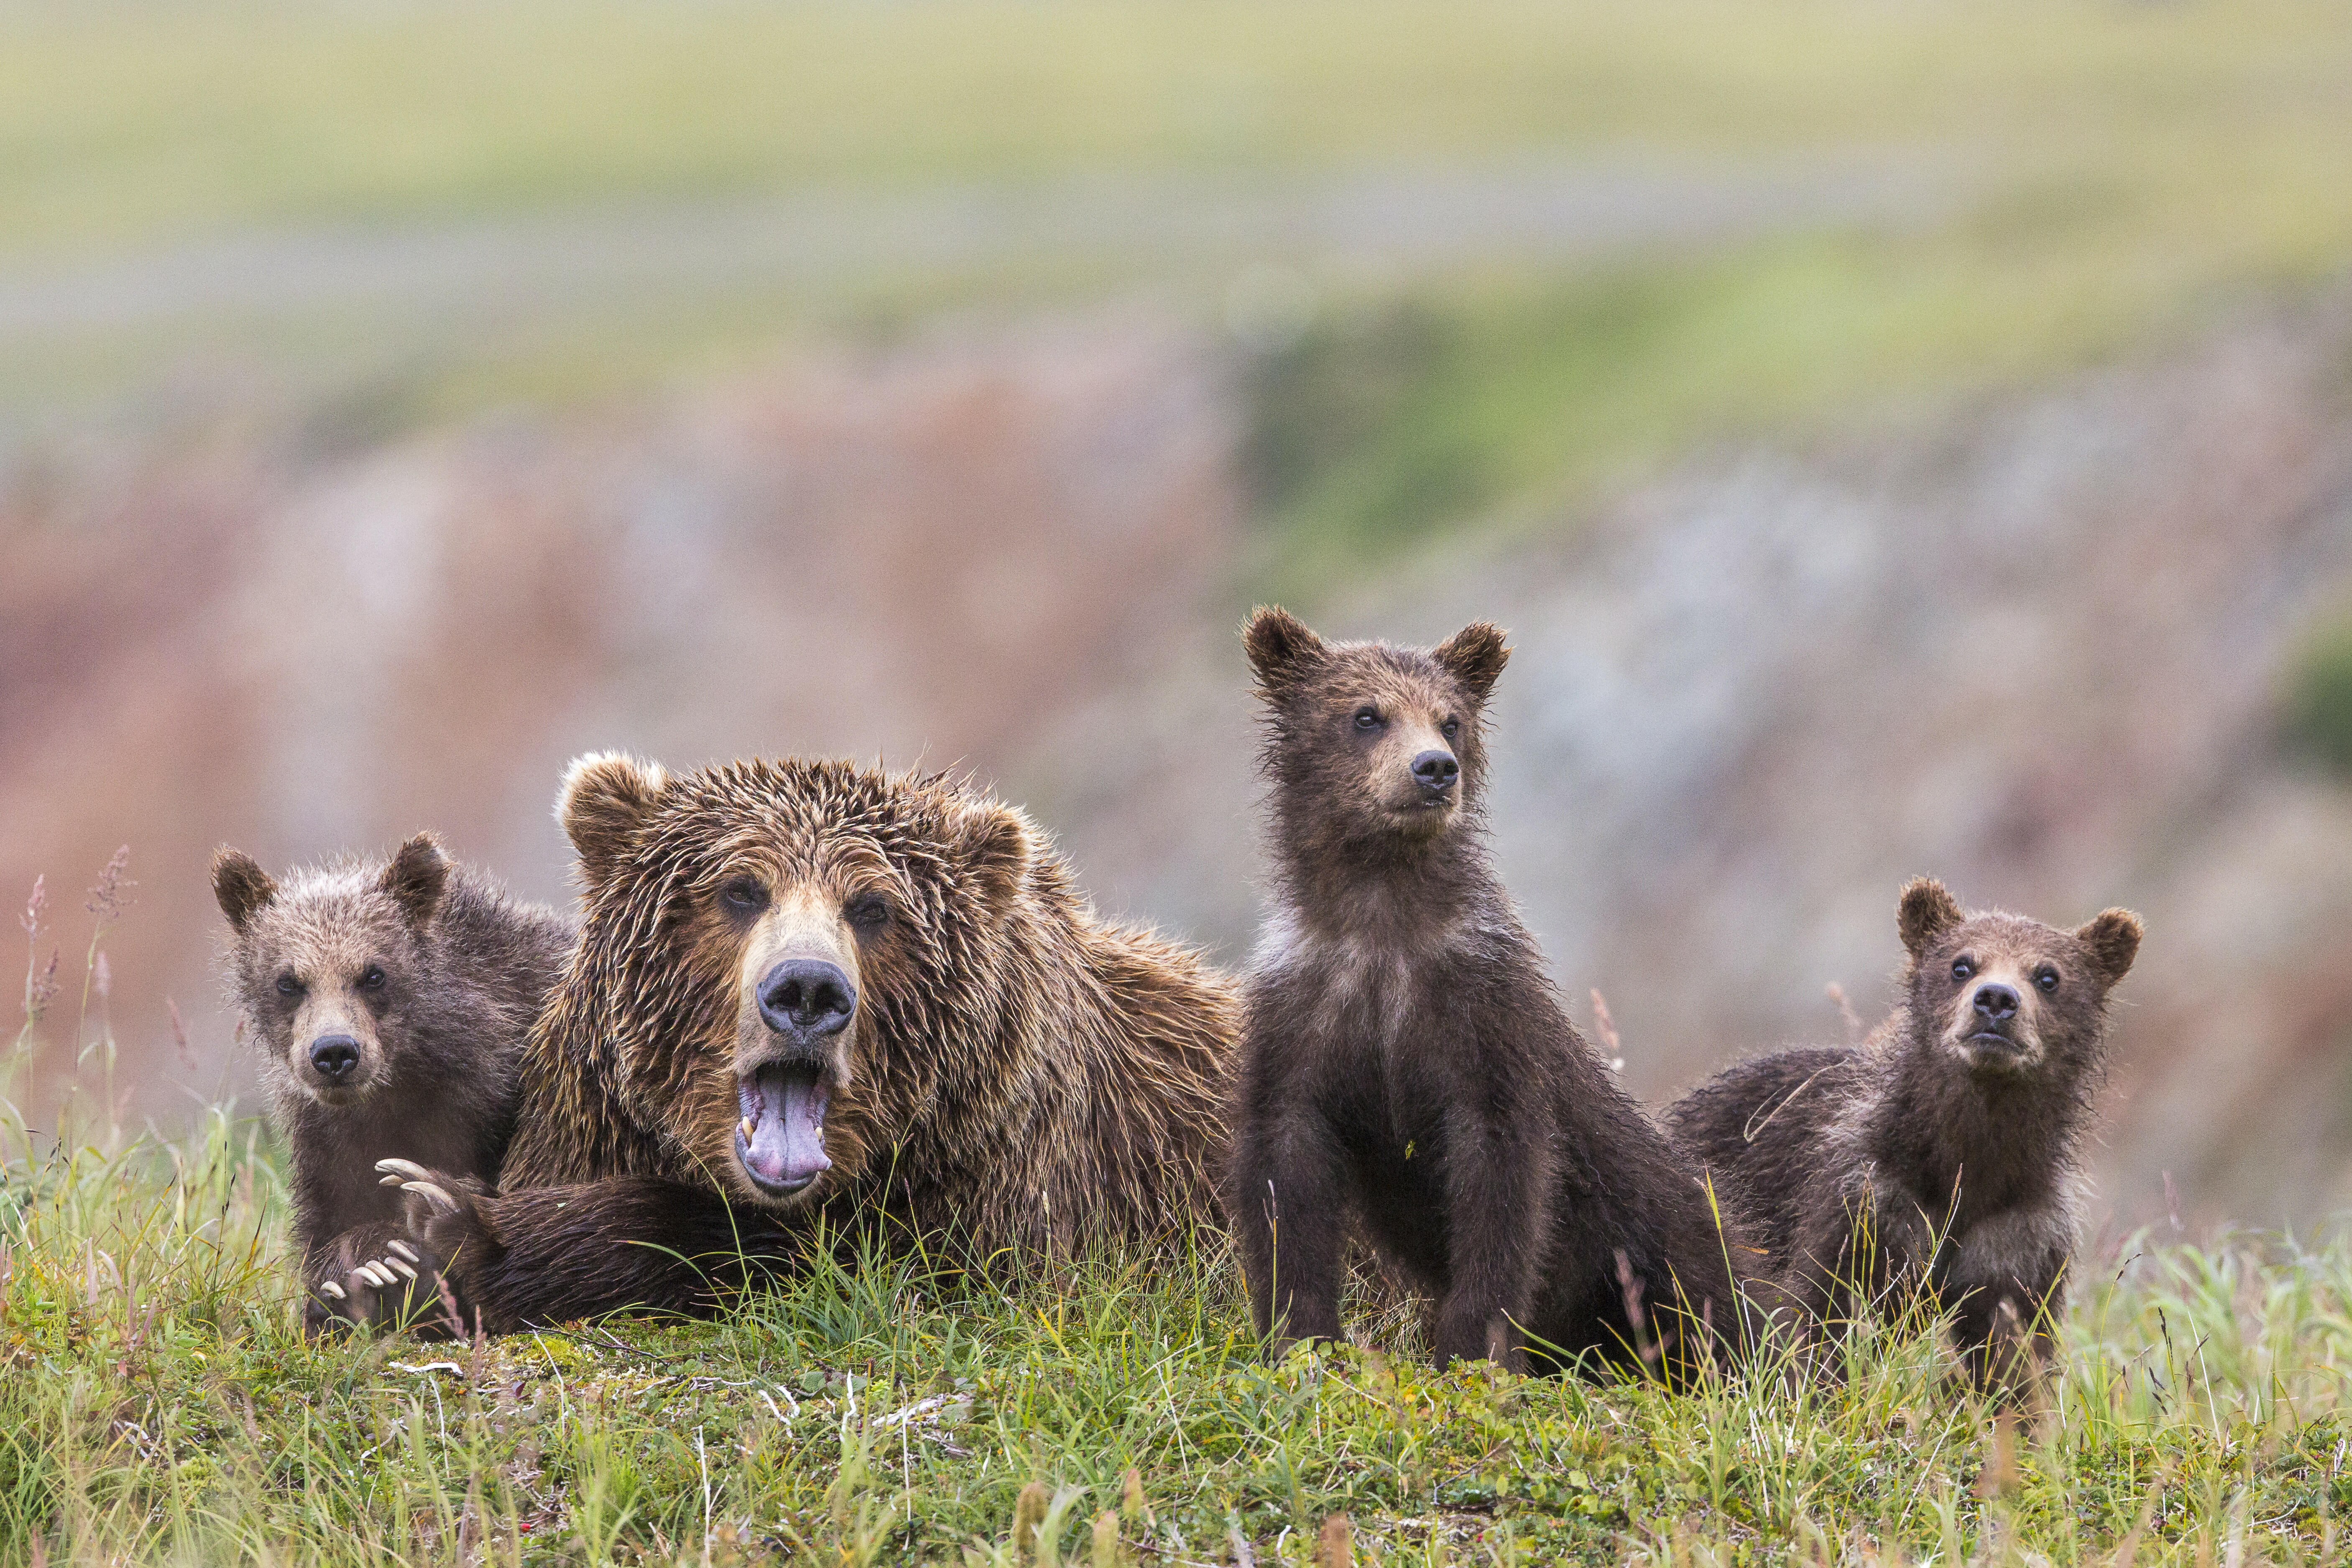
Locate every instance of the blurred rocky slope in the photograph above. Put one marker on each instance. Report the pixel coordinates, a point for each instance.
(2035, 647)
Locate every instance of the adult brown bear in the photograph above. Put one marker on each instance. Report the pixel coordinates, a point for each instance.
(808, 991)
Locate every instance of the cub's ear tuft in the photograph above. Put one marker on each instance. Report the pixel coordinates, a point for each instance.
(1280, 646)
(417, 876)
(2112, 938)
(243, 888)
(1475, 655)
(992, 849)
(605, 799)
(1927, 912)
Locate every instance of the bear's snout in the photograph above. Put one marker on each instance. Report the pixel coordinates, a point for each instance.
(334, 1058)
(1434, 770)
(806, 1000)
(1996, 1004)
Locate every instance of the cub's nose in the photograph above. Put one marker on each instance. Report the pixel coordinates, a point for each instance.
(1996, 1003)
(332, 1057)
(1436, 771)
(807, 999)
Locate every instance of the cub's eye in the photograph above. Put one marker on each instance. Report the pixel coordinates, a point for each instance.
(1451, 729)
(288, 985)
(743, 895)
(372, 978)
(2046, 978)
(1962, 968)
(1368, 718)
(870, 913)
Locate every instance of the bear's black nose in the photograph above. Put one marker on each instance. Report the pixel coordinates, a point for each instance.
(1997, 1003)
(807, 999)
(1436, 771)
(332, 1057)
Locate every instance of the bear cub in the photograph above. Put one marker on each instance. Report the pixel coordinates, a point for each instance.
(1942, 1152)
(1405, 1064)
(391, 1000)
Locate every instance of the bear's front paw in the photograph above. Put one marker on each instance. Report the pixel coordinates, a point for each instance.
(445, 1232)
(373, 1280)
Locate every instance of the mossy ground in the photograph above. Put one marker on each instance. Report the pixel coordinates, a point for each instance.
(159, 1404)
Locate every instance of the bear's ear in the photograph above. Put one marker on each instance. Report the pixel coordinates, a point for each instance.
(2113, 941)
(243, 888)
(1927, 912)
(1279, 646)
(991, 848)
(1475, 655)
(605, 795)
(417, 876)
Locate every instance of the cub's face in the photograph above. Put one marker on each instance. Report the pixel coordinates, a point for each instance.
(2004, 994)
(1378, 741)
(786, 940)
(327, 965)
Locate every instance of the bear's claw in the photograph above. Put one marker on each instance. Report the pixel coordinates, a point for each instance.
(434, 1196)
(402, 1170)
(334, 1291)
(401, 1250)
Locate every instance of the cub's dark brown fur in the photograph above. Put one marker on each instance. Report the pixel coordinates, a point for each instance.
(1405, 1064)
(1941, 1151)
(390, 1000)
(811, 995)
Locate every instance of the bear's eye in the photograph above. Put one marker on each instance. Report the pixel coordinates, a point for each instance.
(2046, 978)
(288, 985)
(1368, 718)
(871, 912)
(1451, 729)
(1962, 968)
(371, 977)
(743, 895)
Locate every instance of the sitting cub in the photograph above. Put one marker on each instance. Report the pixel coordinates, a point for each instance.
(390, 1000)
(1942, 1152)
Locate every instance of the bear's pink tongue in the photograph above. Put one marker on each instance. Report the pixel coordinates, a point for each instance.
(785, 1108)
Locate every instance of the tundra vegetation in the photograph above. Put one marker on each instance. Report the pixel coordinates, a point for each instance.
(160, 1402)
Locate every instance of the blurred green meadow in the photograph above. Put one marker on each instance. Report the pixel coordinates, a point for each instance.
(2092, 176)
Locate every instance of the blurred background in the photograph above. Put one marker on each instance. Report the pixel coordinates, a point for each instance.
(1900, 437)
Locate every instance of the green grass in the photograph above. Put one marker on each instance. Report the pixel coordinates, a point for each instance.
(157, 1404)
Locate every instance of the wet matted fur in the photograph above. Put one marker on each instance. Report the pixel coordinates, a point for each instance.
(1001, 1074)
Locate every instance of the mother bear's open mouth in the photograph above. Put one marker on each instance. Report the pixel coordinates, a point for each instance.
(781, 1139)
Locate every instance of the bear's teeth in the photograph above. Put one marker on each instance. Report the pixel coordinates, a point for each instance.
(745, 1130)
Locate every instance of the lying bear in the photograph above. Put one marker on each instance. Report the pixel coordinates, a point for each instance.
(390, 999)
(810, 992)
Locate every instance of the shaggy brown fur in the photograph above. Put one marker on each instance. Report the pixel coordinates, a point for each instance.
(808, 993)
(1405, 1062)
(390, 1000)
(1942, 1152)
